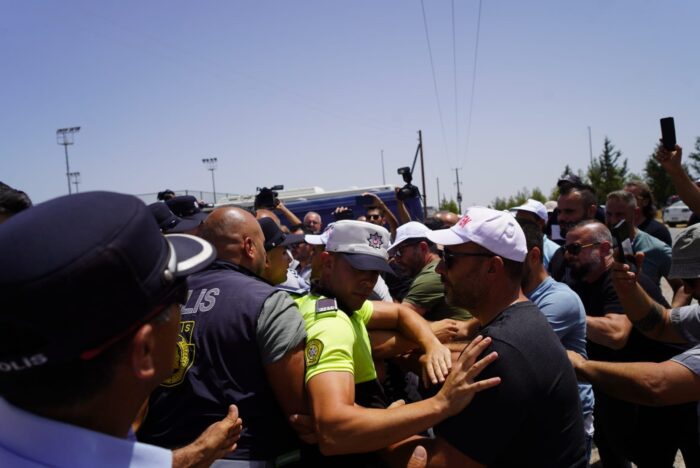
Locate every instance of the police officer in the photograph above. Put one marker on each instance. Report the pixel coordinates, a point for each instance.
(88, 325)
(345, 396)
(241, 341)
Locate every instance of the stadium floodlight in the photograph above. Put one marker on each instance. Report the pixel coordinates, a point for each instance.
(75, 178)
(211, 164)
(65, 136)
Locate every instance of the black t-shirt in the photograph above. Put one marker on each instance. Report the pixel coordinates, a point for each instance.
(600, 298)
(656, 229)
(534, 417)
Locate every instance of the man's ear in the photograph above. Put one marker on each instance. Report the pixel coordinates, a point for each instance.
(605, 248)
(534, 256)
(141, 352)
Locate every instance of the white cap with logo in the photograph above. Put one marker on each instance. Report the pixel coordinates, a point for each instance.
(410, 230)
(494, 230)
(364, 245)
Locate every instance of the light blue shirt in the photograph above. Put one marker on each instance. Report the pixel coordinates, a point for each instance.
(28, 440)
(657, 255)
(549, 247)
(565, 313)
(687, 322)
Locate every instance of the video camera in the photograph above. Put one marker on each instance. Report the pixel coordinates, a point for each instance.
(267, 197)
(409, 190)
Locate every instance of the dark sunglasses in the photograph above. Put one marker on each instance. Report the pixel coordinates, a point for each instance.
(575, 249)
(374, 216)
(448, 256)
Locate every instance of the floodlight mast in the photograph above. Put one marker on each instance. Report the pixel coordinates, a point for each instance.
(64, 136)
(212, 164)
(75, 176)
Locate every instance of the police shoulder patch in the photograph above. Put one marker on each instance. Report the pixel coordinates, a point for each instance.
(326, 305)
(313, 351)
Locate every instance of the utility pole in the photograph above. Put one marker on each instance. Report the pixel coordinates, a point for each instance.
(383, 176)
(76, 179)
(64, 136)
(422, 175)
(211, 164)
(590, 145)
(437, 179)
(459, 194)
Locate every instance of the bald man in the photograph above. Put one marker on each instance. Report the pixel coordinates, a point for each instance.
(241, 342)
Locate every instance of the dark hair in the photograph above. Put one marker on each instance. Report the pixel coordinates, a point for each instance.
(13, 201)
(165, 195)
(514, 270)
(533, 235)
(587, 192)
(648, 210)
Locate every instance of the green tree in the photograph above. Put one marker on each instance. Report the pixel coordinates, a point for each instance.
(449, 205)
(605, 173)
(522, 195)
(658, 180)
(694, 159)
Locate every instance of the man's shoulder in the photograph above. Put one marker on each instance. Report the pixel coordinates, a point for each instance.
(645, 242)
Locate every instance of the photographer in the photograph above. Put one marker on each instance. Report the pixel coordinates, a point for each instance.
(267, 198)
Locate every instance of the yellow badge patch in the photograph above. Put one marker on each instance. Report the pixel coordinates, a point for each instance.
(184, 355)
(314, 348)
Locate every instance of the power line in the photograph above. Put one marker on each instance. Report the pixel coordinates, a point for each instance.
(471, 98)
(435, 86)
(454, 65)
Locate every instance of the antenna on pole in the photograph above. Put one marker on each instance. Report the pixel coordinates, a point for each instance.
(383, 176)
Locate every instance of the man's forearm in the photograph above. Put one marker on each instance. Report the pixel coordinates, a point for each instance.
(647, 316)
(637, 382)
(416, 328)
(608, 332)
(685, 187)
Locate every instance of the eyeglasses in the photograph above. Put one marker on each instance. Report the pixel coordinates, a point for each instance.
(399, 251)
(575, 249)
(448, 256)
(374, 216)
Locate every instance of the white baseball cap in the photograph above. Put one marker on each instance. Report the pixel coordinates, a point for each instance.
(364, 245)
(410, 230)
(319, 239)
(533, 206)
(494, 230)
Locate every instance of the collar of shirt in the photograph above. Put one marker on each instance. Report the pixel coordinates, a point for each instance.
(30, 440)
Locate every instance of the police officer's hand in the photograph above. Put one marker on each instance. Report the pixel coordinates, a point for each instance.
(215, 442)
(460, 386)
(436, 364)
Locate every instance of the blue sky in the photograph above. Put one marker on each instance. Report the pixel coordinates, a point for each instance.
(306, 93)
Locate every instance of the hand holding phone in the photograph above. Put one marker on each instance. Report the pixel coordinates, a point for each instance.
(668, 133)
(621, 233)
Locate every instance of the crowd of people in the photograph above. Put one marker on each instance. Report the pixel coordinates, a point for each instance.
(164, 335)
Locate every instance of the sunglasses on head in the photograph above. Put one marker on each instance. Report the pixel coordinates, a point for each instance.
(575, 249)
(449, 256)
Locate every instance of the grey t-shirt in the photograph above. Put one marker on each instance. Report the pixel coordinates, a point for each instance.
(687, 322)
(280, 327)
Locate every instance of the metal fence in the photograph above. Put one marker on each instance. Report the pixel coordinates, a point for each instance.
(201, 195)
